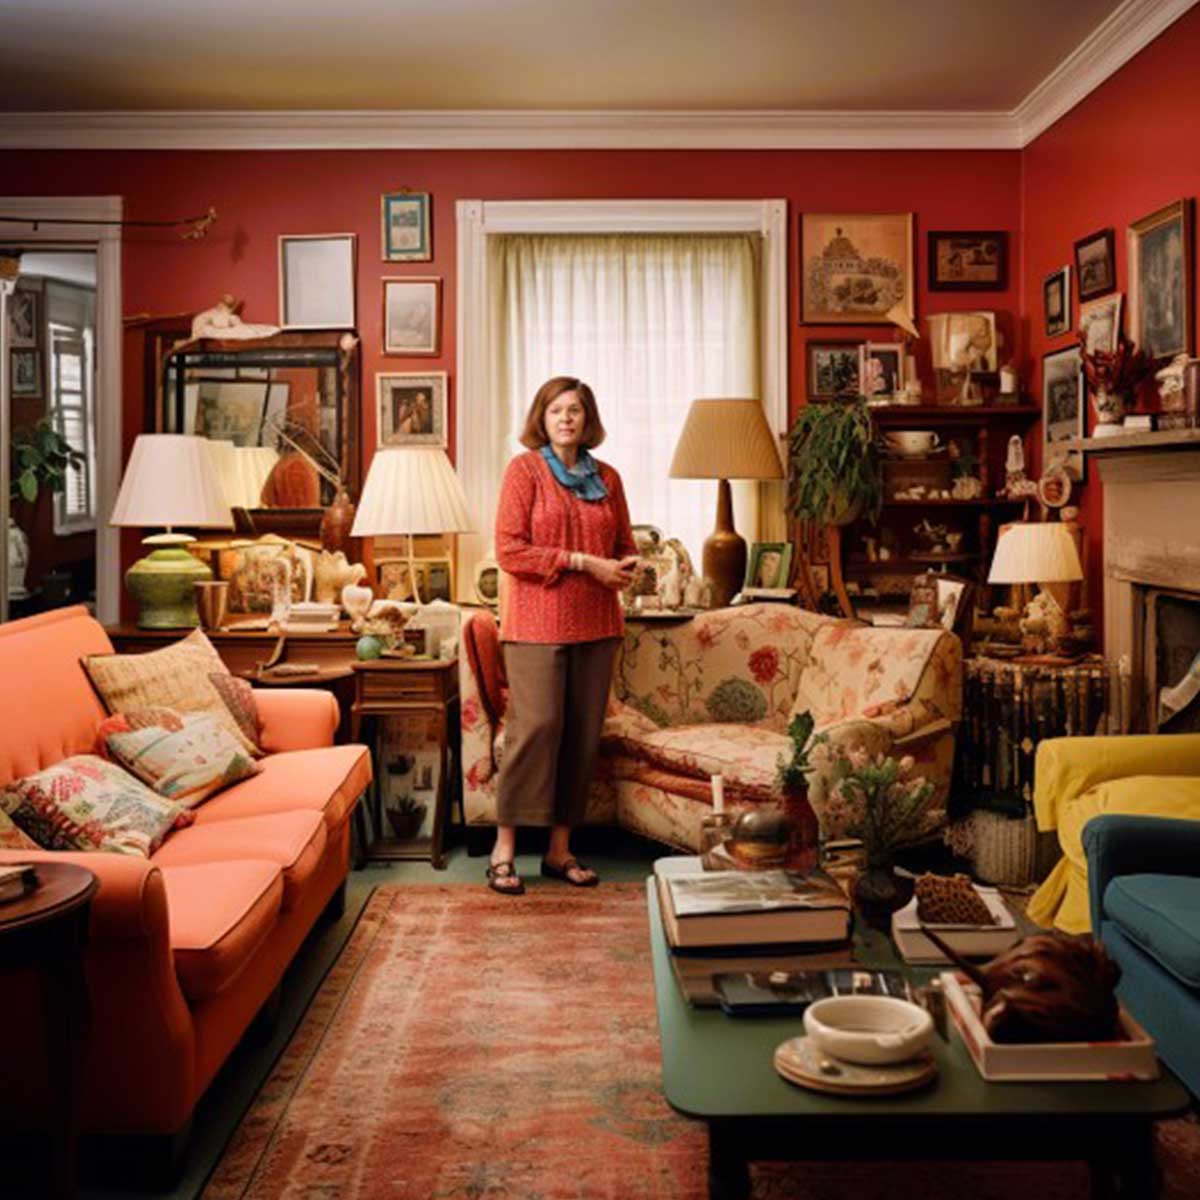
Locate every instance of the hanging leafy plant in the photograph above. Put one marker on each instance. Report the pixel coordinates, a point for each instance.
(40, 457)
(836, 473)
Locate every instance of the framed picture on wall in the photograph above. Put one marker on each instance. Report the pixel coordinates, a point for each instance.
(1100, 323)
(1160, 281)
(856, 267)
(412, 312)
(1056, 301)
(1095, 265)
(411, 409)
(1063, 409)
(25, 373)
(968, 261)
(832, 369)
(24, 317)
(316, 281)
(406, 227)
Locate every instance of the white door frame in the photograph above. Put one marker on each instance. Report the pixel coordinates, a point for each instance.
(105, 239)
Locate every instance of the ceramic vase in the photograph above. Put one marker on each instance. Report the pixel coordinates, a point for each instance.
(879, 891)
(1109, 407)
(336, 523)
(804, 833)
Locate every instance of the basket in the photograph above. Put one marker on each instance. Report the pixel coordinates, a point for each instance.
(1004, 850)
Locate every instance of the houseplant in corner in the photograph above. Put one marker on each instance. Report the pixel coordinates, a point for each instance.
(835, 463)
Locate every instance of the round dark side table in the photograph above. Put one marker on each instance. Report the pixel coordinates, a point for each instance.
(47, 931)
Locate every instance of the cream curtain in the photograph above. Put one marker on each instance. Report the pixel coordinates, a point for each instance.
(651, 323)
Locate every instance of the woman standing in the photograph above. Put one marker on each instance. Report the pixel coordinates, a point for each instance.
(563, 535)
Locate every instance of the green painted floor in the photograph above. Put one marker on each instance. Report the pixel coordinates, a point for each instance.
(618, 857)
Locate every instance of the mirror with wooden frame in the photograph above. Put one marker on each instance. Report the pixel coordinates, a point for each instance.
(282, 416)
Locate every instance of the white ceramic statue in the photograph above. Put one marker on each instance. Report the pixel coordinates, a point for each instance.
(222, 321)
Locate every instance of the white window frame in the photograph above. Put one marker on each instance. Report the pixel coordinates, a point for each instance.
(65, 522)
(479, 219)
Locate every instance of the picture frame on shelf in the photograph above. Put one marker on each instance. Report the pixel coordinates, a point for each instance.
(1064, 409)
(1161, 280)
(24, 318)
(856, 267)
(25, 373)
(411, 408)
(968, 260)
(406, 229)
(317, 280)
(412, 315)
(1095, 264)
(1056, 301)
(768, 565)
(832, 369)
(1100, 323)
(890, 356)
(922, 602)
(435, 578)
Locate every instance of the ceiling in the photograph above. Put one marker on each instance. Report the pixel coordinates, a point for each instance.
(674, 55)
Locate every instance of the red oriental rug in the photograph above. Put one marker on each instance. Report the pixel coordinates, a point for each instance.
(471, 1047)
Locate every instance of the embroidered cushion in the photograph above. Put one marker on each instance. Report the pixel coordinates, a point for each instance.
(138, 718)
(238, 697)
(185, 758)
(177, 676)
(13, 837)
(85, 803)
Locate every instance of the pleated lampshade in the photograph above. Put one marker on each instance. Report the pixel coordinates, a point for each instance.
(726, 439)
(411, 489)
(171, 481)
(1035, 552)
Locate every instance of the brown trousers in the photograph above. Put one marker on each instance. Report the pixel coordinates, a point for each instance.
(557, 695)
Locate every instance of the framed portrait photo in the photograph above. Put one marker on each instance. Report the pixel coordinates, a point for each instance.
(406, 227)
(881, 368)
(25, 373)
(833, 369)
(411, 409)
(968, 261)
(316, 281)
(1063, 411)
(1095, 265)
(435, 578)
(1100, 323)
(1056, 301)
(1160, 281)
(769, 565)
(412, 315)
(24, 317)
(856, 267)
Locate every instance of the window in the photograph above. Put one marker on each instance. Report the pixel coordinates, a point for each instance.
(72, 403)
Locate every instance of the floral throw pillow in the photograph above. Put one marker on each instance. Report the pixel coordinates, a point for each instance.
(239, 699)
(186, 758)
(138, 718)
(85, 803)
(13, 837)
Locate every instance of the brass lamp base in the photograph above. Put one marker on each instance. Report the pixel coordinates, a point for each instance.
(724, 557)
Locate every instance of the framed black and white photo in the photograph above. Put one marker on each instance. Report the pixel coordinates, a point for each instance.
(411, 409)
(833, 369)
(1095, 265)
(25, 373)
(881, 368)
(406, 230)
(24, 318)
(1160, 281)
(1063, 409)
(1056, 301)
(316, 281)
(968, 260)
(412, 311)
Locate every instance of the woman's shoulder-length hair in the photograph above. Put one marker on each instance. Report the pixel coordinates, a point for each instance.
(533, 433)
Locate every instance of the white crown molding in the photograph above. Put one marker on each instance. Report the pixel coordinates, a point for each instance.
(1129, 28)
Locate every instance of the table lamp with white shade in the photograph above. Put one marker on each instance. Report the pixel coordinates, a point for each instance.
(724, 440)
(169, 481)
(411, 490)
(1039, 552)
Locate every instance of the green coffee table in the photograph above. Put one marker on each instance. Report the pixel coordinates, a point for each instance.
(719, 1069)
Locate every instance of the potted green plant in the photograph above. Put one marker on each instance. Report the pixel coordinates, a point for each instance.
(835, 458)
(39, 457)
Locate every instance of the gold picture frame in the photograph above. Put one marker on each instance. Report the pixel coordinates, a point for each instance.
(435, 578)
(856, 267)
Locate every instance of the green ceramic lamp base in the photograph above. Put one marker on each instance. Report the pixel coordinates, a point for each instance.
(161, 583)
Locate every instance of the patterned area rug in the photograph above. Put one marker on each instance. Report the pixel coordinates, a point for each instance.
(469, 1047)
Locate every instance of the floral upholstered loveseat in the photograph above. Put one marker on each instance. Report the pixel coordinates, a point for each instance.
(714, 695)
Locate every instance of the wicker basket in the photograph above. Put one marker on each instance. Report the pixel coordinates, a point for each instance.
(1004, 850)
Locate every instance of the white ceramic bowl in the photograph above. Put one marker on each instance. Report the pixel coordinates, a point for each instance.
(868, 1029)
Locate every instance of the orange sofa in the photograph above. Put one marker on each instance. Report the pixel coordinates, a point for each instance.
(186, 947)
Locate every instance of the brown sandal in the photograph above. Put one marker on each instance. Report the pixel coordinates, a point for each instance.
(504, 870)
(563, 872)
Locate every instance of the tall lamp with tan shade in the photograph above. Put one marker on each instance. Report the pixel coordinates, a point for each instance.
(724, 440)
(411, 490)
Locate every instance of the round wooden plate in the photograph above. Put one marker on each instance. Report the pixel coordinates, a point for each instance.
(799, 1061)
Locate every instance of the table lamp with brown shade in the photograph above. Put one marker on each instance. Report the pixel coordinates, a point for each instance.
(1039, 552)
(169, 481)
(723, 440)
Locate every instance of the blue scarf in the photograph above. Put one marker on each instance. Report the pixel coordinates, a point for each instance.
(583, 478)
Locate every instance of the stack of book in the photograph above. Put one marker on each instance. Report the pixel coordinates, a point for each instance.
(761, 921)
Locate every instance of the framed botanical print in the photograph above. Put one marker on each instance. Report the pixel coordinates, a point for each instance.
(856, 267)
(968, 261)
(1095, 265)
(1160, 281)
(1056, 301)
(1063, 410)
(412, 311)
(411, 409)
(832, 369)
(406, 227)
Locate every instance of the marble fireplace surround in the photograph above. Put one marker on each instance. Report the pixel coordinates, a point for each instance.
(1151, 538)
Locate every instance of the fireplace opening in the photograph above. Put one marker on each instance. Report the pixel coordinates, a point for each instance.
(1172, 660)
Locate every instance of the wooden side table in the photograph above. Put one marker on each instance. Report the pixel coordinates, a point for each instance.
(395, 687)
(47, 930)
